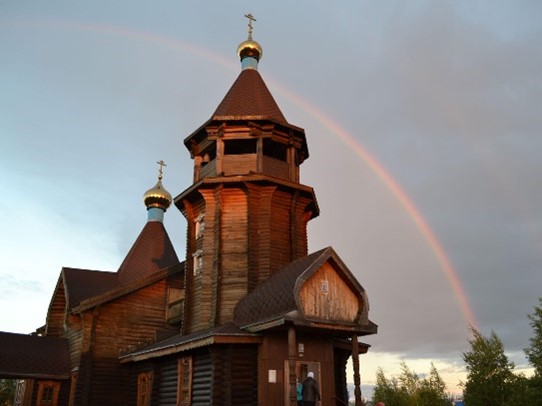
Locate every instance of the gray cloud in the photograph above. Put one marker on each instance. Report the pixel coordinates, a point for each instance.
(445, 95)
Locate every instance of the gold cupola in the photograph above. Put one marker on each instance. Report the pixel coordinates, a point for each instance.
(249, 51)
(157, 197)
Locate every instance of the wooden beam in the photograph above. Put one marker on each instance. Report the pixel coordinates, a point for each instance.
(357, 379)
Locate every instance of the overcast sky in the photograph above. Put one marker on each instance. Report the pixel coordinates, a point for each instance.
(441, 97)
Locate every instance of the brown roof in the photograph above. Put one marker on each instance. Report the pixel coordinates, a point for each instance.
(178, 343)
(248, 98)
(26, 356)
(83, 283)
(275, 296)
(151, 252)
(275, 300)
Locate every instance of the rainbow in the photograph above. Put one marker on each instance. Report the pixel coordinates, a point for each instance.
(398, 192)
(335, 129)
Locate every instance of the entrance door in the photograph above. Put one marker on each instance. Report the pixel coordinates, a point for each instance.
(302, 369)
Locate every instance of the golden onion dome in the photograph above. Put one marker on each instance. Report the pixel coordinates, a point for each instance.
(157, 196)
(250, 48)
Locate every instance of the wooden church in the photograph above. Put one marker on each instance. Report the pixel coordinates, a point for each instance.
(246, 314)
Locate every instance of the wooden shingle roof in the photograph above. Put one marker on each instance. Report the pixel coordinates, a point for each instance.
(31, 356)
(151, 252)
(249, 98)
(226, 333)
(83, 283)
(277, 299)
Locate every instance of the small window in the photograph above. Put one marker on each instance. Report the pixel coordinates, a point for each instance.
(144, 388)
(199, 226)
(48, 393)
(184, 383)
(198, 262)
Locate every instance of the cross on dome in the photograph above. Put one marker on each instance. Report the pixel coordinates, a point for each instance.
(249, 51)
(160, 170)
(250, 19)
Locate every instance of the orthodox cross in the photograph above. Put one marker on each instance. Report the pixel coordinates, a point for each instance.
(250, 19)
(161, 171)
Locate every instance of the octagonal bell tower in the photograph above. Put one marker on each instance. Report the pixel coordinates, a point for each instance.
(246, 210)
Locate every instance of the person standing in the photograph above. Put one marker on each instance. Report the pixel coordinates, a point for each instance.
(299, 392)
(310, 392)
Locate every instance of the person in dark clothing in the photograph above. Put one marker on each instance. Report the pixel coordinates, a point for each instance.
(310, 391)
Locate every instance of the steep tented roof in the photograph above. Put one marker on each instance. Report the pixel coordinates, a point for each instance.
(151, 251)
(249, 98)
(26, 356)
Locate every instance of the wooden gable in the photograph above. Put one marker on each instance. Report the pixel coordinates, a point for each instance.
(325, 295)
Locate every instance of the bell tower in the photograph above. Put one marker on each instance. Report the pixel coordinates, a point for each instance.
(246, 210)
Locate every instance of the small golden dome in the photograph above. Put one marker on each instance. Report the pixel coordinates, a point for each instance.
(157, 197)
(249, 48)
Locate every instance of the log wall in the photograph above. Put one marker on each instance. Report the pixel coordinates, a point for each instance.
(131, 320)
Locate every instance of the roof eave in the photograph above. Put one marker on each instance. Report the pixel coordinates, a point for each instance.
(190, 345)
(121, 291)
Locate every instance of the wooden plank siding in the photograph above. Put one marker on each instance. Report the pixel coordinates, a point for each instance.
(239, 164)
(207, 170)
(280, 249)
(57, 311)
(124, 323)
(191, 209)
(232, 276)
(203, 312)
(325, 295)
(259, 232)
(276, 167)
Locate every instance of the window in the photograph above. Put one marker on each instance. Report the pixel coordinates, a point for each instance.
(184, 383)
(198, 262)
(20, 392)
(48, 393)
(200, 226)
(274, 149)
(239, 147)
(144, 388)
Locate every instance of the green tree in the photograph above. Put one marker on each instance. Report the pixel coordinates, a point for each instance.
(386, 390)
(409, 390)
(534, 351)
(490, 375)
(7, 391)
(432, 391)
